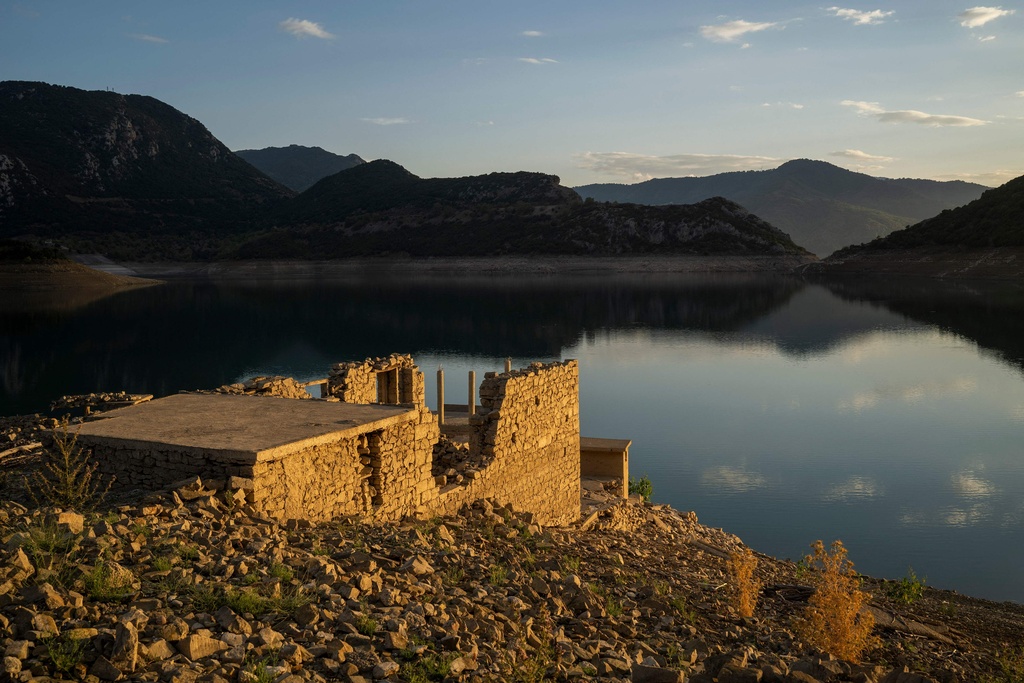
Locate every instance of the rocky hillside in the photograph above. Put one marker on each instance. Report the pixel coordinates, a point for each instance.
(297, 167)
(821, 206)
(191, 585)
(381, 207)
(95, 162)
(982, 239)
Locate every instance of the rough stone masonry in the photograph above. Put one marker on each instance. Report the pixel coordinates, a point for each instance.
(368, 449)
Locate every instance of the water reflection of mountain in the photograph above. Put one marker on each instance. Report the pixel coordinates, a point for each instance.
(815, 322)
(989, 313)
(189, 335)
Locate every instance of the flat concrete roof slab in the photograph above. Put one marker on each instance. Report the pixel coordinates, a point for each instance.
(254, 428)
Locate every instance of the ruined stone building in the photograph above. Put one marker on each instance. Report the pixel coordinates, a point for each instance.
(370, 449)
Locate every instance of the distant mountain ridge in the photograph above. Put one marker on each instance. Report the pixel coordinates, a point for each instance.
(821, 206)
(297, 167)
(380, 207)
(77, 161)
(984, 239)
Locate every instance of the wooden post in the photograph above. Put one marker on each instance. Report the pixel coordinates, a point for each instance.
(440, 396)
(508, 365)
(472, 392)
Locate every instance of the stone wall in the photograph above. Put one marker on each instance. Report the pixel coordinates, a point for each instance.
(393, 379)
(528, 433)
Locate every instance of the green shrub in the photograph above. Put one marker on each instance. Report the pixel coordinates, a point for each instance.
(641, 487)
(907, 590)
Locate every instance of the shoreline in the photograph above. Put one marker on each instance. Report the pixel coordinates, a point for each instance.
(502, 265)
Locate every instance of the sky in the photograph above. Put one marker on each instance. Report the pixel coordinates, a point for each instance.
(592, 91)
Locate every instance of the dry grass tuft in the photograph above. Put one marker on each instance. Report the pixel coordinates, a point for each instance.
(746, 588)
(833, 620)
(67, 476)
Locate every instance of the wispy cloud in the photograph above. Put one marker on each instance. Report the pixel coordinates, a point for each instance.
(1019, 93)
(538, 60)
(858, 155)
(303, 28)
(787, 105)
(644, 167)
(875, 16)
(731, 31)
(384, 121)
(145, 37)
(979, 16)
(874, 110)
(532, 34)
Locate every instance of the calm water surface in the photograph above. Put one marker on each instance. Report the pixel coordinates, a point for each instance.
(889, 415)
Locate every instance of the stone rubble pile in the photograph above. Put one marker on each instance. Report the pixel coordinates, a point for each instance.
(283, 387)
(192, 585)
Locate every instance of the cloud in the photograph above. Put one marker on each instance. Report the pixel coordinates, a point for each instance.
(732, 479)
(302, 28)
(535, 60)
(382, 121)
(979, 16)
(875, 16)
(910, 115)
(644, 167)
(790, 105)
(985, 39)
(860, 156)
(1019, 93)
(145, 37)
(730, 31)
(532, 34)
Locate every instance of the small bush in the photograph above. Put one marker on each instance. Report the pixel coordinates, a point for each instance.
(366, 625)
(682, 607)
(613, 607)
(641, 487)
(161, 564)
(833, 620)
(1011, 668)
(54, 549)
(453, 576)
(907, 590)
(109, 582)
(281, 571)
(66, 479)
(431, 667)
(571, 563)
(65, 652)
(499, 575)
(745, 588)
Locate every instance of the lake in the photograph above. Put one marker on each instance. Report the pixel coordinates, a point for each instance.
(886, 414)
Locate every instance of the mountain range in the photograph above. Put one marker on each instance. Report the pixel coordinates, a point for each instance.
(380, 207)
(135, 179)
(821, 206)
(296, 167)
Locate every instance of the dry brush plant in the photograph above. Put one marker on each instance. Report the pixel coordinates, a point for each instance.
(834, 620)
(746, 587)
(68, 475)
